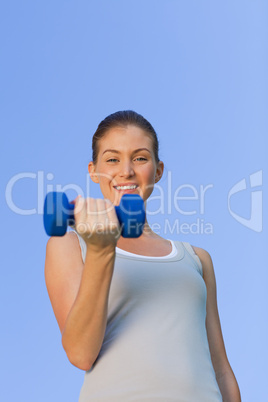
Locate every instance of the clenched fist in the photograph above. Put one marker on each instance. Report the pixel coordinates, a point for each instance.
(96, 221)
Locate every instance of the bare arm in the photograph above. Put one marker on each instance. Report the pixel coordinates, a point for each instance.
(224, 374)
(79, 294)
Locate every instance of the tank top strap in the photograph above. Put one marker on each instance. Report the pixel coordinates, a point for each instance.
(82, 243)
(194, 256)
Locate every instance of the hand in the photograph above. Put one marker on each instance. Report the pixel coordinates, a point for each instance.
(96, 221)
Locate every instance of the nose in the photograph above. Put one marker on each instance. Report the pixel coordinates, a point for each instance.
(127, 169)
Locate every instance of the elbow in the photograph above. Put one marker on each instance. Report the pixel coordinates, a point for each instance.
(79, 363)
(78, 358)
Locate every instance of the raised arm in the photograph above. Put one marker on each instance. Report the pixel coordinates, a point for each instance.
(79, 292)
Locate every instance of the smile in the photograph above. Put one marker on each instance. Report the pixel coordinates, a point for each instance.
(133, 187)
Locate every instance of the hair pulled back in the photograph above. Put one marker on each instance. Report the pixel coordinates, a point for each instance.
(123, 118)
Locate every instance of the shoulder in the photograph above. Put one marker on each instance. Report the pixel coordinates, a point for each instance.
(62, 252)
(62, 255)
(63, 272)
(206, 261)
(202, 253)
(66, 244)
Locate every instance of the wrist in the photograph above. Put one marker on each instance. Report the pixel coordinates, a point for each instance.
(101, 250)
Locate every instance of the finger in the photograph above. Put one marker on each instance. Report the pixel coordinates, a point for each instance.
(75, 200)
(111, 214)
(91, 211)
(101, 215)
(80, 215)
(109, 210)
(109, 206)
(101, 209)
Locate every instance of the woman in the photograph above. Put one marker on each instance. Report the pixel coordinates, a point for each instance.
(139, 315)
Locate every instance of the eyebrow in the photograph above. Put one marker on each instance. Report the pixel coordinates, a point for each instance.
(118, 152)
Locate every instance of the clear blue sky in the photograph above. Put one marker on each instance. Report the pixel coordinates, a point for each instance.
(197, 70)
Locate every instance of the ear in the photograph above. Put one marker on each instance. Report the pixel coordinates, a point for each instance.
(92, 172)
(159, 171)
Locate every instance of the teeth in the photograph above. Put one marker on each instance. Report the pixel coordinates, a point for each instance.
(126, 187)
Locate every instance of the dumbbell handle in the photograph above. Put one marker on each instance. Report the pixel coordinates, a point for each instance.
(59, 213)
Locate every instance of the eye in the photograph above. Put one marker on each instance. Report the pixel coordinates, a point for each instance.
(138, 159)
(112, 160)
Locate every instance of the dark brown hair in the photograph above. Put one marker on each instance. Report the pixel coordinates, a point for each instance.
(123, 118)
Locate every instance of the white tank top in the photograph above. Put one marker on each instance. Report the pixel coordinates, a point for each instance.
(155, 346)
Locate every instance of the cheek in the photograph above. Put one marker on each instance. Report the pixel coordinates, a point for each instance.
(106, 175)
(149, 173)
(147, 177)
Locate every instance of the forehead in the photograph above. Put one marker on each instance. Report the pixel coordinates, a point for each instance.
(131, 136)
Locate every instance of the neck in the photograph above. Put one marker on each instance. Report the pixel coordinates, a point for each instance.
(147, 231)
(147, 234)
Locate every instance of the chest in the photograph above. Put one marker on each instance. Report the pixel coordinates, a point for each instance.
(157, 248)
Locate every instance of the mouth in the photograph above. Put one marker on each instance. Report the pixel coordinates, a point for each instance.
(126, 189)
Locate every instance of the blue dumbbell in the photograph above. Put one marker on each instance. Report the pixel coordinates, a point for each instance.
(59, 213)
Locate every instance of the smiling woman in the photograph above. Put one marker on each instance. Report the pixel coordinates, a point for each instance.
(123, 162)
(138, 315)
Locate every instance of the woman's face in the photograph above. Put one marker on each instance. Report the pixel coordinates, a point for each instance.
(126, 158)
